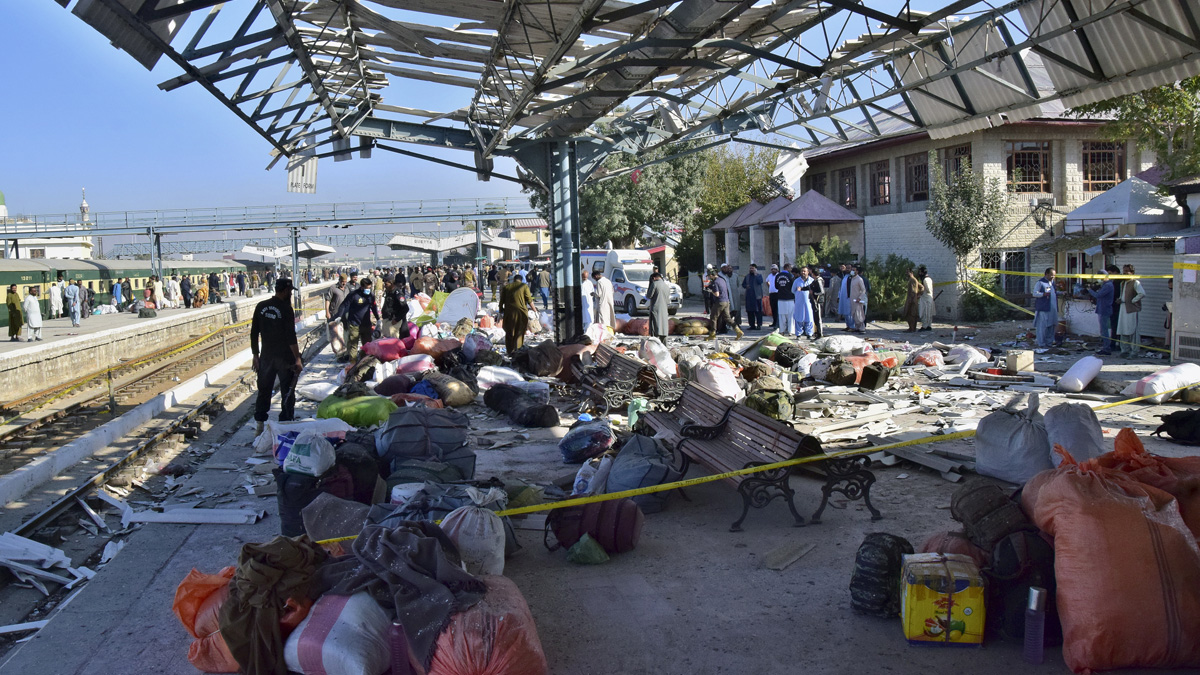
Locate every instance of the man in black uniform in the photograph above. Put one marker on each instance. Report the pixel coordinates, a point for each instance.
(356, 312)
(395, 308)
(279, 357)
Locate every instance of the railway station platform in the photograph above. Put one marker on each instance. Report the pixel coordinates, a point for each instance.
(67, 353)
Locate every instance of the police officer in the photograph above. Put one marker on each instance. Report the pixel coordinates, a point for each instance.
(279, 357)
(356, 312)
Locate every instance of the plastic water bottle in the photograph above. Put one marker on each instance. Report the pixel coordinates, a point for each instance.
(1035, 626)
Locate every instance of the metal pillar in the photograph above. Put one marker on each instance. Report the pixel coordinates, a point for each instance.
(297, 303)
(563, 182)
(155, 252)
(478, 241)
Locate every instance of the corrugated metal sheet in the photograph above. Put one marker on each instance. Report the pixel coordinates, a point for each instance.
(1149, 259)
(1124, 48)
(982, 92)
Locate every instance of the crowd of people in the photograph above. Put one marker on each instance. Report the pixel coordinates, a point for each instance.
(74, 300)
(800, 298)
(354, 302)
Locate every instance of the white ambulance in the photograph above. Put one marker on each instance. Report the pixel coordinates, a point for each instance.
(629, 271)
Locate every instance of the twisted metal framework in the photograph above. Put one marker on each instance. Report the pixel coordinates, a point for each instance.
(619, 76)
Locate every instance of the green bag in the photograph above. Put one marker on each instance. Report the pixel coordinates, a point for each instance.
(773, 403)
(636, 407)
(364, 411)
(587, 551)
(772, 340)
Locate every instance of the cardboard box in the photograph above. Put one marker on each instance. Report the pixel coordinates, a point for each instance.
(942, 600)
(1019, 361)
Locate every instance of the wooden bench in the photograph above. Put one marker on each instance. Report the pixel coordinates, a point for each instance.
(740, 438)
(611, 377)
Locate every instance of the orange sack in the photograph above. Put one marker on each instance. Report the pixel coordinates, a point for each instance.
(1178, 476)
(495, 637)
(1127, 567)
(198, 601)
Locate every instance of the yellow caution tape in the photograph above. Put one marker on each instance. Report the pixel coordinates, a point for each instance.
(1076, 276)
(1005, 301)
(1186, 266)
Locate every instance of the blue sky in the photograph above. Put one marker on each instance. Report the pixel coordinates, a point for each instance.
(79, 113)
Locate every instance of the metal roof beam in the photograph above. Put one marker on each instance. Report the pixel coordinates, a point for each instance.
(283, 19)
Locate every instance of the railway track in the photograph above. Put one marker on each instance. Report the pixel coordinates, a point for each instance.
(80, 524)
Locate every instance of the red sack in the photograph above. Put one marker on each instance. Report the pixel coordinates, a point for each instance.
(497, 636)
(386, 349)
(1177, 476)
(408, 342)
(198, 601)
(487, 322)
(860, 362)
(435, 347)
(766, 306)
(1127, 568)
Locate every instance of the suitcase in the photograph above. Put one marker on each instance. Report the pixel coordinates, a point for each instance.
(874, 376)
(147, 313)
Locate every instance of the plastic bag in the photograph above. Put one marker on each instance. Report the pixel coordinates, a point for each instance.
(930, 358)
(655, 353)
(1127, 568)
(316, 391)
(719, 378)
(490, 376)
(587, 551)
(1012, 445)
(415, 363)
(960, 354)
(334, 430)
(342, 635)
(198, 601)
(1075, 427)
(310, 455)
(592, 477)
(1081, 374)
(1181, 375)
(586, 441)
(497, 636)
(804, 365)
(841, 344)
(479, 535)
(475, 343)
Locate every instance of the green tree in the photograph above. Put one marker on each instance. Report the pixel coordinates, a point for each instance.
(889, 284)
(834, 250)
(1163, 119)
(965, 213)
(659, 196)
(732, 177)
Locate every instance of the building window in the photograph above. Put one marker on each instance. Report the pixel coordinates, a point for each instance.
(881, 183)
(37, 253)
(1103, 165)
(955, 159)
(817, 183)
(1028, 165)
(1013, 285)
(848, 187)
(916, 177)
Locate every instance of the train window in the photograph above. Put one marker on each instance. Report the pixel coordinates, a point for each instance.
(91, 287)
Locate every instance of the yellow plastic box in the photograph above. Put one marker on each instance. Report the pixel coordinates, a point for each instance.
(942, 600)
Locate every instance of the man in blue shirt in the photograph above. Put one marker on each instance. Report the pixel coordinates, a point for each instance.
(1104, 305)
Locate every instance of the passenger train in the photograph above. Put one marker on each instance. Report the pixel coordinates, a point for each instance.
(99, 275)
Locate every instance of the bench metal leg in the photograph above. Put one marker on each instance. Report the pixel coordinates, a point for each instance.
(850, 477)
(760, 489)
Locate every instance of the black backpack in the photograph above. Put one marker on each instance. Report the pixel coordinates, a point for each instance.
(875, 584)
(1183, 426)
(788, 353)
